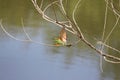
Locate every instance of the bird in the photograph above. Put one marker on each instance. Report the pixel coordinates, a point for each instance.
(62, 39)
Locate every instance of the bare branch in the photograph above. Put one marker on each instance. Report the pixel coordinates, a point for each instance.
(109, 46)
(112, 29)
(49, 6)
(9, 33)
(28, 36)
(114, 10)
(25, 31)
(75, 23)
(48, 18)
(105, 20)
(99, 51)
(62, 7)
(110, 61)
(41, 4)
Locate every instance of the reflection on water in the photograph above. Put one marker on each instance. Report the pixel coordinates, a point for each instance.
(31, 61)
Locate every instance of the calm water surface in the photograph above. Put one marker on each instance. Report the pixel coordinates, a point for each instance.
(31, 61)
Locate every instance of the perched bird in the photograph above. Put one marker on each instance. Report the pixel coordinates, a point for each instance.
(62, 39)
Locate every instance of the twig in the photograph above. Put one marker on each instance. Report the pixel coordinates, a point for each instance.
(10, 34)
(112, 29)
(103, 34)
(105, 20)
(49, 6)
(74, 21)
(62, 7)
(25, 31)
(109, 46)
(114, 10)
(110, 61)
(41, 4)
(99, 51)
(48, 18)
(28, 40)
(54, 12)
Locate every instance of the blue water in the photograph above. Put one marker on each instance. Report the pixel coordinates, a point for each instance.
(30, 61)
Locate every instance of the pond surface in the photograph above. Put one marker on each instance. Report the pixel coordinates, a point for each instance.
(33, 61)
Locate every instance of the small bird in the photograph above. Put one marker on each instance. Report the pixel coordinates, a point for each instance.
(62, 39)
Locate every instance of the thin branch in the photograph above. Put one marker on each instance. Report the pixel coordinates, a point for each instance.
(112, 29)
(99, 51)
(49, 5)
(62, 7)
(109, 46)
(28, 36)
(41, 4)
(54, 12)
(10, 34)
(103, 34)
(114, 10)
(105, 20)
(25, 31)
(110, 61)
(73, 16)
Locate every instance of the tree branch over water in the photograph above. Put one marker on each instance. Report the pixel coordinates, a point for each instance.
(71, 27)
(74, 26)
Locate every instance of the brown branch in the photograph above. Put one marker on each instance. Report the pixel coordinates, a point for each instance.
(47, 18)
(98, 51)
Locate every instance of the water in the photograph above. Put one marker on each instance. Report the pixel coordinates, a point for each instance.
(32, 61)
